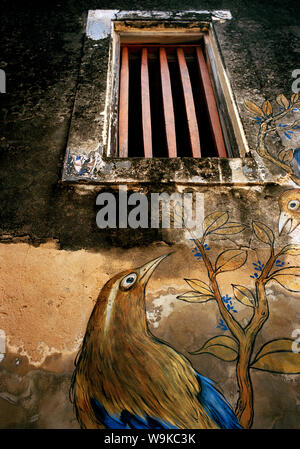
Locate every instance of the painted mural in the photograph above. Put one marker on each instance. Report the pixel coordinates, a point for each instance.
(281, 123)
(276, 356)
(126, 378)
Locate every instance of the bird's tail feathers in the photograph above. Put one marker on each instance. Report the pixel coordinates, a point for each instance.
(215, 405)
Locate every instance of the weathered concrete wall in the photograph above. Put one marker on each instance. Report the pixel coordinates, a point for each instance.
(54, 259)
(48, 294)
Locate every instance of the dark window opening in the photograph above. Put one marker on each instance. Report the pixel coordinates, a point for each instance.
(166, 105)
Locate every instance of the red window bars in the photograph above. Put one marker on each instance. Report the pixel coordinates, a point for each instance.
(167, 103)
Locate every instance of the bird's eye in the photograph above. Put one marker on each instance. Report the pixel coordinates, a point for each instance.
(129, 280)
(294, 204)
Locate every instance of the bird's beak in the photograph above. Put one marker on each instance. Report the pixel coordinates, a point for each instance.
(283, 219)
(146, 270)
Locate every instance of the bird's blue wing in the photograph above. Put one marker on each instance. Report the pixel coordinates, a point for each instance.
(110, 422)
(213, 402)
(215, 405)
(127, 420)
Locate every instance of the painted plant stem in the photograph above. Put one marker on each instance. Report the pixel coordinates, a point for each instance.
(276, 356)
(262, 150)
(266, 118)
(244, 408)
(245, 336)
(233, 325)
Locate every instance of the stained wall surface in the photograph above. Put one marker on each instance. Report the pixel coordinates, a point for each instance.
(54, 259)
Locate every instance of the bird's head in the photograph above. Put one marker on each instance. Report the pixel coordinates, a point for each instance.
(289, 204)
(121, 304)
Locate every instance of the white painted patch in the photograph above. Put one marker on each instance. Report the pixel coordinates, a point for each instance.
(238, 175)
(2, 344)
(221, 14)
(294, 236)
(163, 306)
(99, 23)
(270, 294)
(110, 304)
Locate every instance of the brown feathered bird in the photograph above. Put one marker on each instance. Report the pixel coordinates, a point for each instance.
(125, 378)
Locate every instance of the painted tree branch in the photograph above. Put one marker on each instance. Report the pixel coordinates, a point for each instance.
(240, 345)
(244, 409)
(266, 112)
(233, 325)
(245, 336)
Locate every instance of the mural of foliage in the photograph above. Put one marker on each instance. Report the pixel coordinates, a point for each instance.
(275, 356)
(268, 121)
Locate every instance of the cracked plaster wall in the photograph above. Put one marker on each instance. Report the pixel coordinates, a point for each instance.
(54, 259)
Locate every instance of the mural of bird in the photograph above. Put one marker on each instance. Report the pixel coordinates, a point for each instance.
(289, 204)
(125, 378)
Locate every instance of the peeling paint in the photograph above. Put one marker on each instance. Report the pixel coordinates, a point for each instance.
(238, 174)
(99, 20)
(53, 258)
(163, 306)
(99, 23)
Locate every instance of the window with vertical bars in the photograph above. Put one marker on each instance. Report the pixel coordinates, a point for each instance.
(167, 106)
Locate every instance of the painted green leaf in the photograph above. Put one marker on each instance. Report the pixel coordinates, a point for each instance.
(199, 286)
(291, 250)
(286, 155)
(195, 297)
(294, 98)
(253, 108)
(214, 221)
(283, 101)
(263, 233)
(230, 260)
(223, 340)
(267, 108)
(222, 347)
(230, 228)
(244, 295)
(289, 278)
(277, 356)
(281, 344)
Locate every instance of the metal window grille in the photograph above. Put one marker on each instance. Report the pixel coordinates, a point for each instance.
(167, 106)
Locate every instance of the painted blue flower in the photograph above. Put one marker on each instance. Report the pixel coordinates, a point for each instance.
(258, 267)
(227, 301)
(279, 263)
(288, 133)
(196, 252)
(226, 298)
(222, 325)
